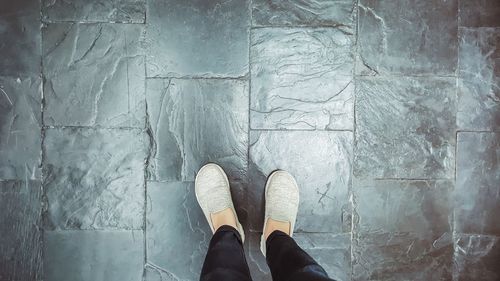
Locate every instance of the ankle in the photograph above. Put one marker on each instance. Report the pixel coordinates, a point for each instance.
(224, 217)
(273, 225)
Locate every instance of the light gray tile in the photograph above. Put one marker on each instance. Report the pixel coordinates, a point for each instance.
(479, 13)
(321, 163)
(130, 11)
(418, 40)
(331, 251)
(477, 192)
(197, 38)
(402, 230)
(94, 75)
(197, 121)
(301, 79)
(20, 33)
(476, 257)
(20, 209)
(479, 79)
(20, 128)
(93, 255)
(94, 178)
(154, 273)
(405, 127)
(177, 231)
(308, 12)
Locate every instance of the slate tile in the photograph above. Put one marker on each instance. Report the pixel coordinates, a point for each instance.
(94, 178)
(194, 122)
(476, 257)
(479, 79)
(418, 41)
(402, 230)
(177, 233)
(20, 33)
(321, 163)
(217, 45)
(20, 209)
(331, 251)
(405, 127)
(295, 12)
(20, 128)
(288, 65)
(129, 11)
(116, 255)
(94, 75)
(477, 192)
(479, 13)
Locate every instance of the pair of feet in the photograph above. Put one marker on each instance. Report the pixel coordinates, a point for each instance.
(214, 196)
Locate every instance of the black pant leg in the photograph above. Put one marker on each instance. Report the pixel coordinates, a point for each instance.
(225, 260)
(288, 262)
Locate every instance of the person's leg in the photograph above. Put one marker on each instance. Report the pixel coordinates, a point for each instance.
(225, 259)
(287, 261)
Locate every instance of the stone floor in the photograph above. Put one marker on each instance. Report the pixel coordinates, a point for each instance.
(387, 113)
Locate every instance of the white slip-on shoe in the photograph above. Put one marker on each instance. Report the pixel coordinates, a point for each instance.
(282, 202)
(213, 194)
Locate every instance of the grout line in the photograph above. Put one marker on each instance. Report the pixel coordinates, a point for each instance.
(44, 21)
(92, 127)
(238, 78)
(300, 130)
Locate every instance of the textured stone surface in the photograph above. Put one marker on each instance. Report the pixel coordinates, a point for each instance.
(177, 231)
(479, 13)
(402, 230)
(301, 79)
(217, 44)
(20, 246)
(197, 121)
(93, 255)
(331, 251)
(476, 257)
(418, 40)
(478, 183)
(479, 79)
(321, 163)
(405, 128)
(20, 128)
(20, 33)
(300, 12)
(94, 179)
(133, 11)
(94, 75)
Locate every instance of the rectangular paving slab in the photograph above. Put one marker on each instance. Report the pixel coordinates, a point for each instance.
(94, 75)
(94, 178)
(321, 163)
(20, 127)
(193, 122)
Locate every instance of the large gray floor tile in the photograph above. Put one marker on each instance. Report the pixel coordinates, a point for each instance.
(20, 128)
(93, 255)
(403, 230)
(394, 38)
(94, 75)
(479, 13)
(476, 257)
(197, 121)
(130, 11)
(21, 240)
(308, 12)
(177, 231)
(405, 127)
(479, 79)
(321, 163)
(301, 79)
(197, 38)
(20, 33)
(478, 183)
(94, 179)
(331, 251)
